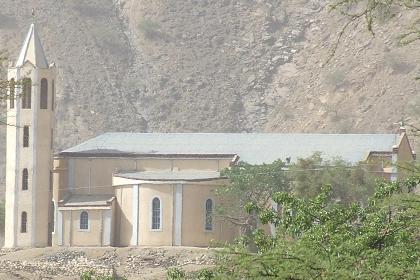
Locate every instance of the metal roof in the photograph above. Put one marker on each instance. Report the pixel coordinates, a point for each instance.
(87, 200)
(183, 175)
(254, 148)
(32, 50)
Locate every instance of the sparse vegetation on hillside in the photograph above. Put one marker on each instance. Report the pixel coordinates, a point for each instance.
(226, 66)
(374, 12)
(149, 28)
(90, 275)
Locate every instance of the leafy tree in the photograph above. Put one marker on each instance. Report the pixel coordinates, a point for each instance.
(250, 186)
(371, 12)
(319, 238)
(349, 182)
(5, 85)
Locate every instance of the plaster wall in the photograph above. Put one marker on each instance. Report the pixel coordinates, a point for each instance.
(405, 153)
(37, 159)
(123, 226)
(193, 217)
(94, 175)
(147, 236)
(73, 236)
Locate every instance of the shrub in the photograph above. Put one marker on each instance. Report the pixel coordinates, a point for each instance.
(175, 273)
(336, 78)
(205, 274)
(90, 275)
(149, 29)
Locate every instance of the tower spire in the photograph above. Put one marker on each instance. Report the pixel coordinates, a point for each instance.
(32, 50)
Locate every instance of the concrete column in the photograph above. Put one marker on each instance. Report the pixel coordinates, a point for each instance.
(34, 137)
(275, 208)
(59, 228)
(178, 215)
(14, 197)
(135, 216)
(394, 161)
(106, 227)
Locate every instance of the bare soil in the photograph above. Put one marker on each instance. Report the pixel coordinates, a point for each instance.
(69, 263)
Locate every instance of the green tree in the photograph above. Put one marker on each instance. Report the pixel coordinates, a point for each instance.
(322, 239)
(349, 182)
(5, 85)
(249, 186)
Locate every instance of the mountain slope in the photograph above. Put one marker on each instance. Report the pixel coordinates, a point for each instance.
(228, 65)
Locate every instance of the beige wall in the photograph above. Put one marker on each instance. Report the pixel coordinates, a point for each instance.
(193, 217)
(147, 236)
(37, 158)
(123, 216)
(405, 153)
(94, 175)
(73, 236)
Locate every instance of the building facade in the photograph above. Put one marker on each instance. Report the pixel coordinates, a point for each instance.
(140, 189)
(30, 120)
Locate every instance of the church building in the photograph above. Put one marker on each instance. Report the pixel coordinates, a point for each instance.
(139, 189)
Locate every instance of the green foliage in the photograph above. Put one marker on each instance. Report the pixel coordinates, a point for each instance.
(205, 274)
(336, 78)
(91, 275)
(250, 187)
(349, 182)
(374, 12)
(320, 238)
(175, 273)
(149, 29)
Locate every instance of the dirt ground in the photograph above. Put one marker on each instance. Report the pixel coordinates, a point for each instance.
(69, 263)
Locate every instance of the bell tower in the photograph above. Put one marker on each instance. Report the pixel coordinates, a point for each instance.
(30, 119)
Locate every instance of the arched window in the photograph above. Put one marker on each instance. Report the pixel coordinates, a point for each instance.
(52, 95)
(84, 221)
(26, 95)
(44, 94)
(12, 93)
(25, 136)
(209, 214)
(23, 222)
(156, 213)
(25, 178)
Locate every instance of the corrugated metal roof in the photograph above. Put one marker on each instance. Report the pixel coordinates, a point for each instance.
(254, 148)
(87, 200)
(183, 175)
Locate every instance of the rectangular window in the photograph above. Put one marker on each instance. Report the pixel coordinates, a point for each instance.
(44, 94)
(12, 94)
(27, 91)
(26, 136)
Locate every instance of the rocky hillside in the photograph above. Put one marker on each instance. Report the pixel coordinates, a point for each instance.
(228, 65)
